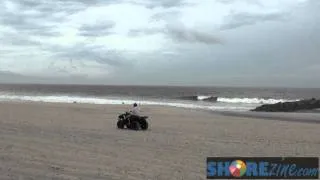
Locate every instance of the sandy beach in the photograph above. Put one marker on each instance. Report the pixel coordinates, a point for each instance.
(40, 141)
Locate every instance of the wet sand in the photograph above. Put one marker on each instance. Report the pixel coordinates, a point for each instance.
(77, 141)
(302, 116)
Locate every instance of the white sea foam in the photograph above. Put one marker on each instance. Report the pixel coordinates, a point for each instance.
(203, 97)
(252, 100)
(245, 100)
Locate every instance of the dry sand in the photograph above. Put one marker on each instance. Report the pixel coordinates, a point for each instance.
(73, 141)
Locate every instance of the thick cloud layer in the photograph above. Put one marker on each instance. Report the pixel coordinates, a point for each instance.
(184, 42)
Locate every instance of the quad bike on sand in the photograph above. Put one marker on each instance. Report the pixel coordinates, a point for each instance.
(126, 120)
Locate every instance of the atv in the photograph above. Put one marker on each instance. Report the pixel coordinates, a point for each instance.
(125, 120)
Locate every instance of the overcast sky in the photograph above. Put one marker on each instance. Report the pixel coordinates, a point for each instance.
(176, 42)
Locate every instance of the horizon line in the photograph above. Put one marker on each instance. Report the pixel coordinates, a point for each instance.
(161, 85)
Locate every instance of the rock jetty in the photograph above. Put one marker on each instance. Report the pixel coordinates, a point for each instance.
(306, 104)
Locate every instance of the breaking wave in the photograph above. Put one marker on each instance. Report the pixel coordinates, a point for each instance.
(253, 100)
(235, 100)
(199, 98)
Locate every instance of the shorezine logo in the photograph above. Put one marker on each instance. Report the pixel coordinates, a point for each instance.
(262, 168)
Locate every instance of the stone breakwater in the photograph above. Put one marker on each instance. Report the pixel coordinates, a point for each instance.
(306, 104)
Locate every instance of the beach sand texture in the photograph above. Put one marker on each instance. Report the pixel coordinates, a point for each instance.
(42, 141)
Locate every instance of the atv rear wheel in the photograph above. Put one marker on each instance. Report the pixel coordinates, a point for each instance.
(120, 124)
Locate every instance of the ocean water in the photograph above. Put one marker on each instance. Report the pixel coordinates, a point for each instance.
(209, 98)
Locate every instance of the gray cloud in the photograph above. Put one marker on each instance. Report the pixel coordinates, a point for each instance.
(8, 73)
(166, 16)
(160, 3)
(244, 19)
(18, 39)
(253, 2)
(38, 3)
(29, 26)
(24, 22)
(90, 53)
(166, 3)
(143, 32)
(11, 77)
(181, 34)
(47, 9)
(91, 2)
(96, 30)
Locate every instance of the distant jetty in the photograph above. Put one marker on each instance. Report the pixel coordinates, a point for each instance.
(307, 104)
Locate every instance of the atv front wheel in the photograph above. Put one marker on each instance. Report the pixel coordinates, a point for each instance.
(144, 125)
